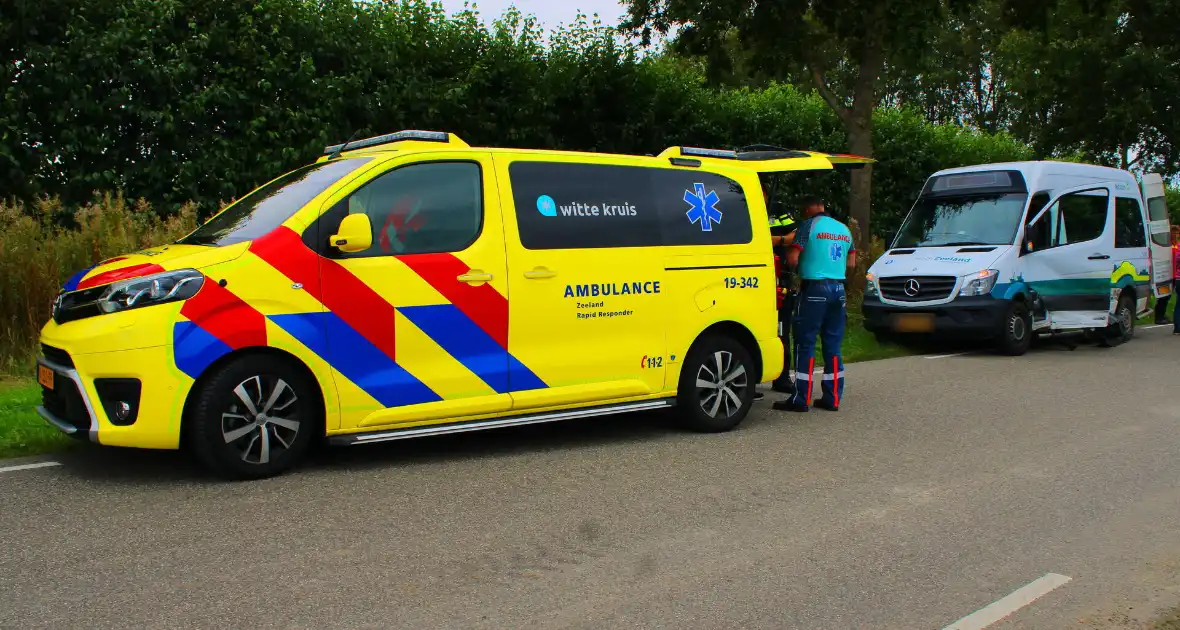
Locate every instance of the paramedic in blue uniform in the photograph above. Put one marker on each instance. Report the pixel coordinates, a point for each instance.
(822, 252)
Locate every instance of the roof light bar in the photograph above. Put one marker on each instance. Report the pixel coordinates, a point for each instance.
(714, 153)
(424, 136)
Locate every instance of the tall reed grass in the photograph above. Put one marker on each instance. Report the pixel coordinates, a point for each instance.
(38, 254)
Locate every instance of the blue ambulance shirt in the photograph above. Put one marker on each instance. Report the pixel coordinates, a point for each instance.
(824, 245)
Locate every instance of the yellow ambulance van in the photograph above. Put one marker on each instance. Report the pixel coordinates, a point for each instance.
(410, 285)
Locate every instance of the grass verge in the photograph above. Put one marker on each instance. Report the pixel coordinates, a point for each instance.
(22, 431)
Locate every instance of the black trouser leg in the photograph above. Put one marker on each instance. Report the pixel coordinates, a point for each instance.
(785, 316)
(1161, 309)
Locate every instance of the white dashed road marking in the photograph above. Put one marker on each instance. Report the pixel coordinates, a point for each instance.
(4, 469)
(1154, 326)
(947, 356)
(1018, 599)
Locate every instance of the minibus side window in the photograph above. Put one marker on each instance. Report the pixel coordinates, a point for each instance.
(1074, 218)
(1128, 223)
(1037, 236)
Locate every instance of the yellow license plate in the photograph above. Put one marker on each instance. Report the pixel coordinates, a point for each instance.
(915, 323)
(45, 376)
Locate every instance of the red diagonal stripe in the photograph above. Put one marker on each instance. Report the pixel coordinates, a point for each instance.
(126, 273)
(226, 316)
(349, 298)
(483, 304)
(285, 251)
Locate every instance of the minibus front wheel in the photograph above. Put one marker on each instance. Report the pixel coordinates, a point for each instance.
(1017, 333)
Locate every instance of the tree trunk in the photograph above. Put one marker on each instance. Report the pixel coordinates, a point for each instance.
(860, 142)
(857, 120)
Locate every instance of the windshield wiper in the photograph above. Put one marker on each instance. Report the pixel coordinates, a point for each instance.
(958, 244)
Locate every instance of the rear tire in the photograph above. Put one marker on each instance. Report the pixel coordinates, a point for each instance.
(717, 385)
(1016, 335)
(1122, 329)
(253, 418)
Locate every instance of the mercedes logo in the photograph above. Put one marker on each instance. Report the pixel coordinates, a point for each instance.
(912, 287)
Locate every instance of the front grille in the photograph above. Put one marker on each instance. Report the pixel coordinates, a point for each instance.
(65, 402)
(78, 305)
(57, 355)
(929, 288)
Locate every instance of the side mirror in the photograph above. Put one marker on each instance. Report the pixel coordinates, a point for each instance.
(355, 234)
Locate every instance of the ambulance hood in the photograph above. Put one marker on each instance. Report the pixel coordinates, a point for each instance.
(150, 261)
(938, 261)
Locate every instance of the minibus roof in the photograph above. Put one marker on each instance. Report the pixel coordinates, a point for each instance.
(1048, 175)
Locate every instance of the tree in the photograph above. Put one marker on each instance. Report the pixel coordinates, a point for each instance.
(1098, 78)
(842, 48)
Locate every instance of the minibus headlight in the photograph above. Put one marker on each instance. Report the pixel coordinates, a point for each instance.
(979, 283)
(160, 288)
(871, 285)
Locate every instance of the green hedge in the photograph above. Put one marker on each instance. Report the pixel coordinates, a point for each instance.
(200, 100)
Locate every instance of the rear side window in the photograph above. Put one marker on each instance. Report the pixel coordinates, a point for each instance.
(1128, 223)
(1157, 208)
(587, 206)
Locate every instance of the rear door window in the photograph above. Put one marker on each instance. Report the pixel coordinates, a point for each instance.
(1157, 208)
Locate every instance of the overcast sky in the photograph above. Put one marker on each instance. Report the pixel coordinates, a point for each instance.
(549, 12)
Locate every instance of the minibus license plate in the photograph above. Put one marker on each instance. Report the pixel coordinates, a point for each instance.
(913, 323)
(45, 376)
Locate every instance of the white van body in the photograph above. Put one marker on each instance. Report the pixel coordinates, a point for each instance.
(1007, 251)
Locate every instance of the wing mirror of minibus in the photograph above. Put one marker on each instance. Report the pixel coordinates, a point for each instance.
(355, 234)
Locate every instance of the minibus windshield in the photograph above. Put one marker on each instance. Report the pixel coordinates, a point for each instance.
(949, 221)
(265, 209)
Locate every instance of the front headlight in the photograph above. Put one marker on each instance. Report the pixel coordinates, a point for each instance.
(170, 286)
(979, 283)
(871, 285)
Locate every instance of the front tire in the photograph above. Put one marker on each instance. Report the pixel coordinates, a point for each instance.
(1016, 335)
(254, 418)
(716, 385)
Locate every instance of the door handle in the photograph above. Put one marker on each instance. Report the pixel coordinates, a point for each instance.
(539, 273)
(1100, 257)
(475, 276)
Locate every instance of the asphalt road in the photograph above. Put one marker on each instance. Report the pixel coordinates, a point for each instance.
(942, 486)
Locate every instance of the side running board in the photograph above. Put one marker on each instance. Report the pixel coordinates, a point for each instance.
(498, 423)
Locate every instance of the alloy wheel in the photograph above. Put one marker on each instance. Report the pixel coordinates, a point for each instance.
(721, 384)
(262, 420)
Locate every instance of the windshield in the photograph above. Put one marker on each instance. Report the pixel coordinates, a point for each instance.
(962, 221)
(265, 209)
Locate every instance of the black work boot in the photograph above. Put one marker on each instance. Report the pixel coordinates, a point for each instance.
(787, 405)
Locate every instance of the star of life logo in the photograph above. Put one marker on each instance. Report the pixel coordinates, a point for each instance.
(703, 207)
(836, 251)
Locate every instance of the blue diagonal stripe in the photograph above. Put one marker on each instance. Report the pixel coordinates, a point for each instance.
(463, 339)
(356, 358)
